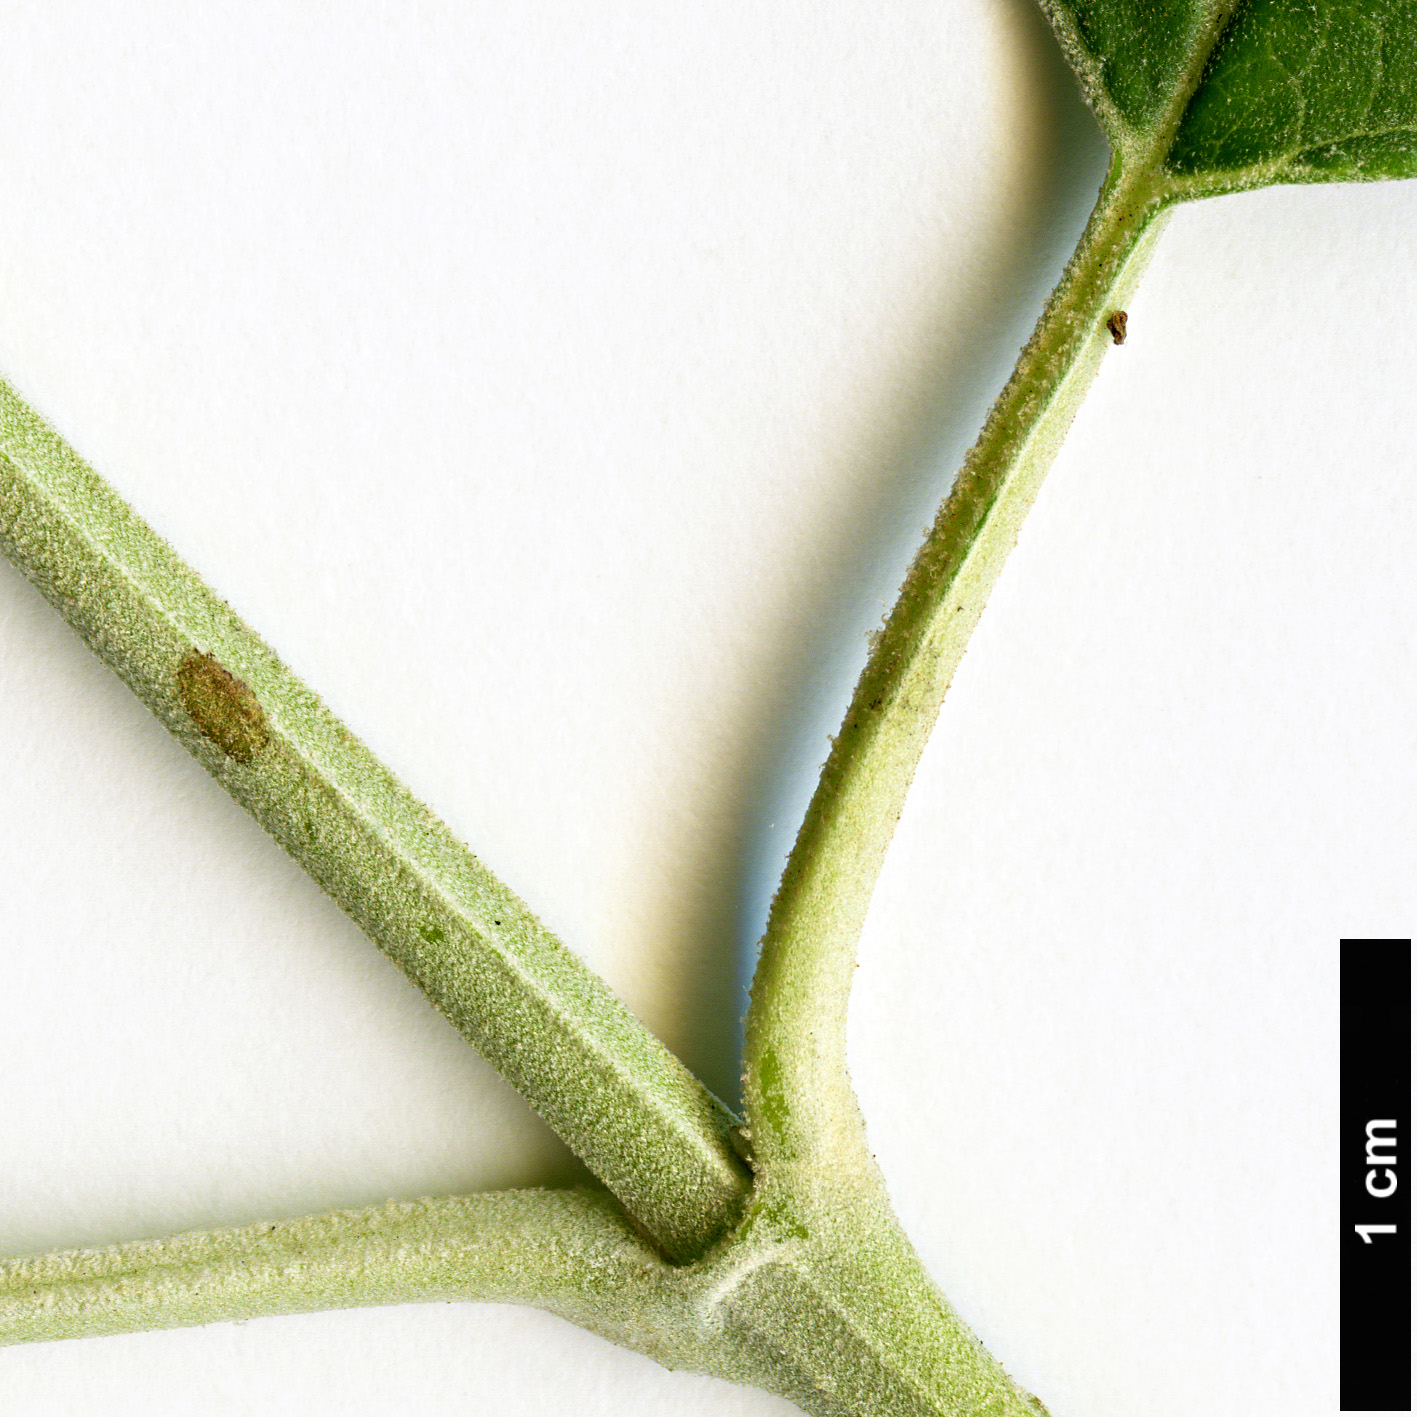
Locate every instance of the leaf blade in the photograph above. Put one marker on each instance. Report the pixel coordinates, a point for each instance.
(1304, 93)
(1131, 57)
(1224, 97)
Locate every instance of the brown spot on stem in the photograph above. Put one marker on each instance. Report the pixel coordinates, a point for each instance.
(1117, 324)
(222, 707)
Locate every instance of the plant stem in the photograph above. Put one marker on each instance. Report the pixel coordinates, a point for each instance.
(571, 1252)
(642, 1122)
(800, 1101)
(817, 1294)
(770, 1308)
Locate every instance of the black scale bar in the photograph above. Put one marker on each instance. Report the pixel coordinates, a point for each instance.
(1375, 1176)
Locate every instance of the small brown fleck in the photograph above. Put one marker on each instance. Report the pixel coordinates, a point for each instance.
(221, 706)
(1117, 324)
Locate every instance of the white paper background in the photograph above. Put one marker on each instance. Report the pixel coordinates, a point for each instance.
(561, 391)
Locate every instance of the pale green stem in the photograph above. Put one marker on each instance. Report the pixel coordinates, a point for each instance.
(632, 1111)
(571, 1252)
(801, 1106)
(818, 1295)
(779, 1310)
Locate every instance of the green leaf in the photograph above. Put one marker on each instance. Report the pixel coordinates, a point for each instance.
(1306, 93)
(1131, 56)
(1221, 98)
